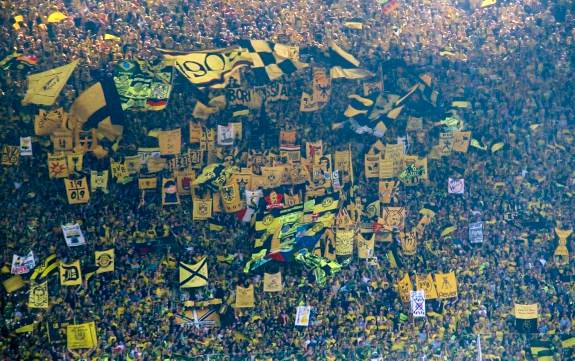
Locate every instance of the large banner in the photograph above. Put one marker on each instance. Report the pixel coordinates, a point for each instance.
(143, 86)
(211, 67)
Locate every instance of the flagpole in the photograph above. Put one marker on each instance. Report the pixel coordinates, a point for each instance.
(479, 355)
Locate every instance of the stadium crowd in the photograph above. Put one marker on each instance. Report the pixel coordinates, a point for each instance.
(512, 61)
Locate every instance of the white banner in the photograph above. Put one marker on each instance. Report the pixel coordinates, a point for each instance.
(303, 315)
(73, 235)
(26, 146)
(21, 265)
(225, 134)
(476, 232)
(417, 299)
(456, 186)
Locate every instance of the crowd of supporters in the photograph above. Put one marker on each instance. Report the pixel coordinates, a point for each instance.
(512, 61)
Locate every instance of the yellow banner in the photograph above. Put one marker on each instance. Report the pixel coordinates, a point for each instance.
(38, 297)
(75, 162)
(47, 122)
(148, 183)
(81, 336)
(371, 165)
(408, 243)
(393, 217)
(170, 141)
(273, 282)
(57, 166)
(321, 86)
(365, 247)
(404, 287)
(202, 209)
(105, 260)
(461, 141)
(77, 190)
(99, 180)
(10, 154)
(344, 242)
(446, 285)
(425, 283)
(307, 104)
(245, 297)
(526, 312)
(70, 274)
(231, 199)
(386, 190)
(44, 87)
(211, 67)
(194, 275)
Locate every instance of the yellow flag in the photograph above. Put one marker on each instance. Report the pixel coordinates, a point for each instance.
(487, 3)
(75, 162)
(105, 260)
(365, 246)
(404, 287)
(170, 141)
(408, 242)
(194, 275)
(446, 285)
(231, 198)
(393, 217)
(77, 190)
(70, 274)
(148, 183)
(202, 209)
(344, 242)
(99, 180)
(461, 141)
(56, 17)
(44, 87)
(526, 312)
(447, 231)
(210, 67)
(13, 283)
(273, 282)
(10, 154)
(245, 297)
(112, 37)
(47, 122)
(38, 297)
(426, 284)
(307, 103)
(81, 336)
(57, 166)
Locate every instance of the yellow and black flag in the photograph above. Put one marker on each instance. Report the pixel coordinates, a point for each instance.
(49, 266)
(38, 297)
(194, 275)
(70, 274)
(345, 65)
(44, 87)
(99, 107)
(270, 60)
(105, 260)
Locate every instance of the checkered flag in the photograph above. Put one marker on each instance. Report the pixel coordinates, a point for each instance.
(271, 60)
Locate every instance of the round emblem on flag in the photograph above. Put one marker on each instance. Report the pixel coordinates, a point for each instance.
(104, 260)
(268, 219)
(327, 202)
